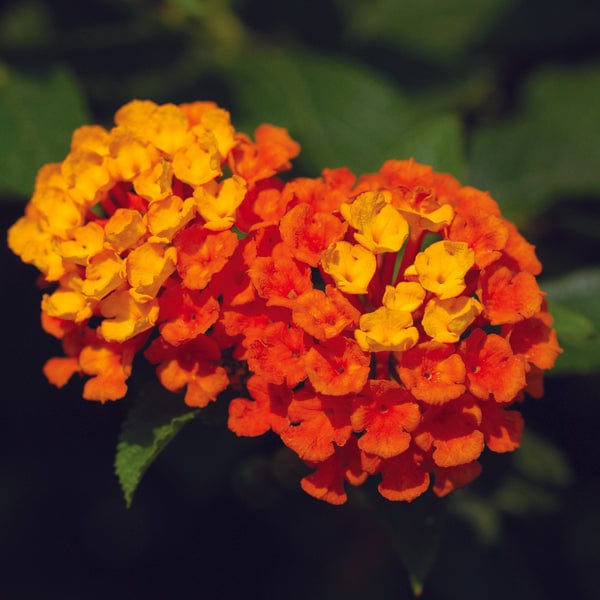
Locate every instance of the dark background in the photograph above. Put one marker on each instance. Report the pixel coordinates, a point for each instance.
(222, 517)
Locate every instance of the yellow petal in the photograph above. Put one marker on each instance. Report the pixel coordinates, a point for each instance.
(407, 296)
(386, 329)
(126, 318)
(446, 320)
(442, 267)
(351, 266)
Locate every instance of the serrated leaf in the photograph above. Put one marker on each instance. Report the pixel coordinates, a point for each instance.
(548, 149)
(37, 118)
(155, 418)
(575, 304)
(342, 113)
(435, 30)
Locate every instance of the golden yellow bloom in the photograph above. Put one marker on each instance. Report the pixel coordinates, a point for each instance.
(351, 266)
(446, 320)
(441, 268)
(198, 161)
(105, 273)
(219, 211)
(88, 240)
(386, 329)
(125, 317)
(67, 304)
(379, 226)
(166, 217)
(148, 266)
(406, 295)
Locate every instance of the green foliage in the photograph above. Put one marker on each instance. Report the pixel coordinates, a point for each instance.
(416, 531)
(155, 418)
(545, 150)
(37, 117)
(342, 113)
(437, 30)
(538, 473)
(575, 304)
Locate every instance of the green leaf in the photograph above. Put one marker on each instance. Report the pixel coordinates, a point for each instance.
(521, 497)
(575, 304)
(37, 118)
(542, 462)
(342, 113)
(548, 150)
(416, 531)
(435, 30)
(153, 421)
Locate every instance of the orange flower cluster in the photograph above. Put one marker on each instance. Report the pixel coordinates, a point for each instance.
(380, 325)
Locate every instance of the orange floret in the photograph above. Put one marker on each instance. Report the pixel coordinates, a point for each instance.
(201, 254)
(452, 432)
(337, 367)
(433, 372)
(279, 354)
(535, 340)
(492, 368)
(193, 365)
(324, 315)
(308, 233)
(327, 481)
(452, 478)
(403, 478)
(387, 417)
(485, 234)
(317, 424)
(509, 297)
(266, 410)
(185, 313)
(279, 279)
(269, 155)
(502, 428)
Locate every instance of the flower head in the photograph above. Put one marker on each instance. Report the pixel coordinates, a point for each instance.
(384, 325)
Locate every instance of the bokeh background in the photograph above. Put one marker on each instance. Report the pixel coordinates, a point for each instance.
(504, 94)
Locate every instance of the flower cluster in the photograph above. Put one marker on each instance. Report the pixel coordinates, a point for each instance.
(381, 325)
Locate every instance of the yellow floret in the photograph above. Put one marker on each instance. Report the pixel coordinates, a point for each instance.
(386, 329)
(351, 266)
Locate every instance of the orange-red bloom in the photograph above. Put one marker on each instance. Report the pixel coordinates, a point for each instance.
(381, 326)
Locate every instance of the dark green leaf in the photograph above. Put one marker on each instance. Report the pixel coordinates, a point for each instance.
(483, 517)
(433, 29)
(37, 118)
(155, 418)
(548, 149)
(519, 496)
(541, 461)
(342, 113)
(416, 531)
(575, 305)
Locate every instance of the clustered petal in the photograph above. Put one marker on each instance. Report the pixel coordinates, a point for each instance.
(384, 325)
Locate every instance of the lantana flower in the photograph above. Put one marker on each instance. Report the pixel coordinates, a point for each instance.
(386, 325)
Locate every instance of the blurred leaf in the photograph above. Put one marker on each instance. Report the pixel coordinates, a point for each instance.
(548, 149)
(25, 23)
(153, 421)
(433, 29)
(37, 118)
(518, 496)
(575, 304)
(416, 531)
(341, 113)
(541, 461)
(479, 513)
